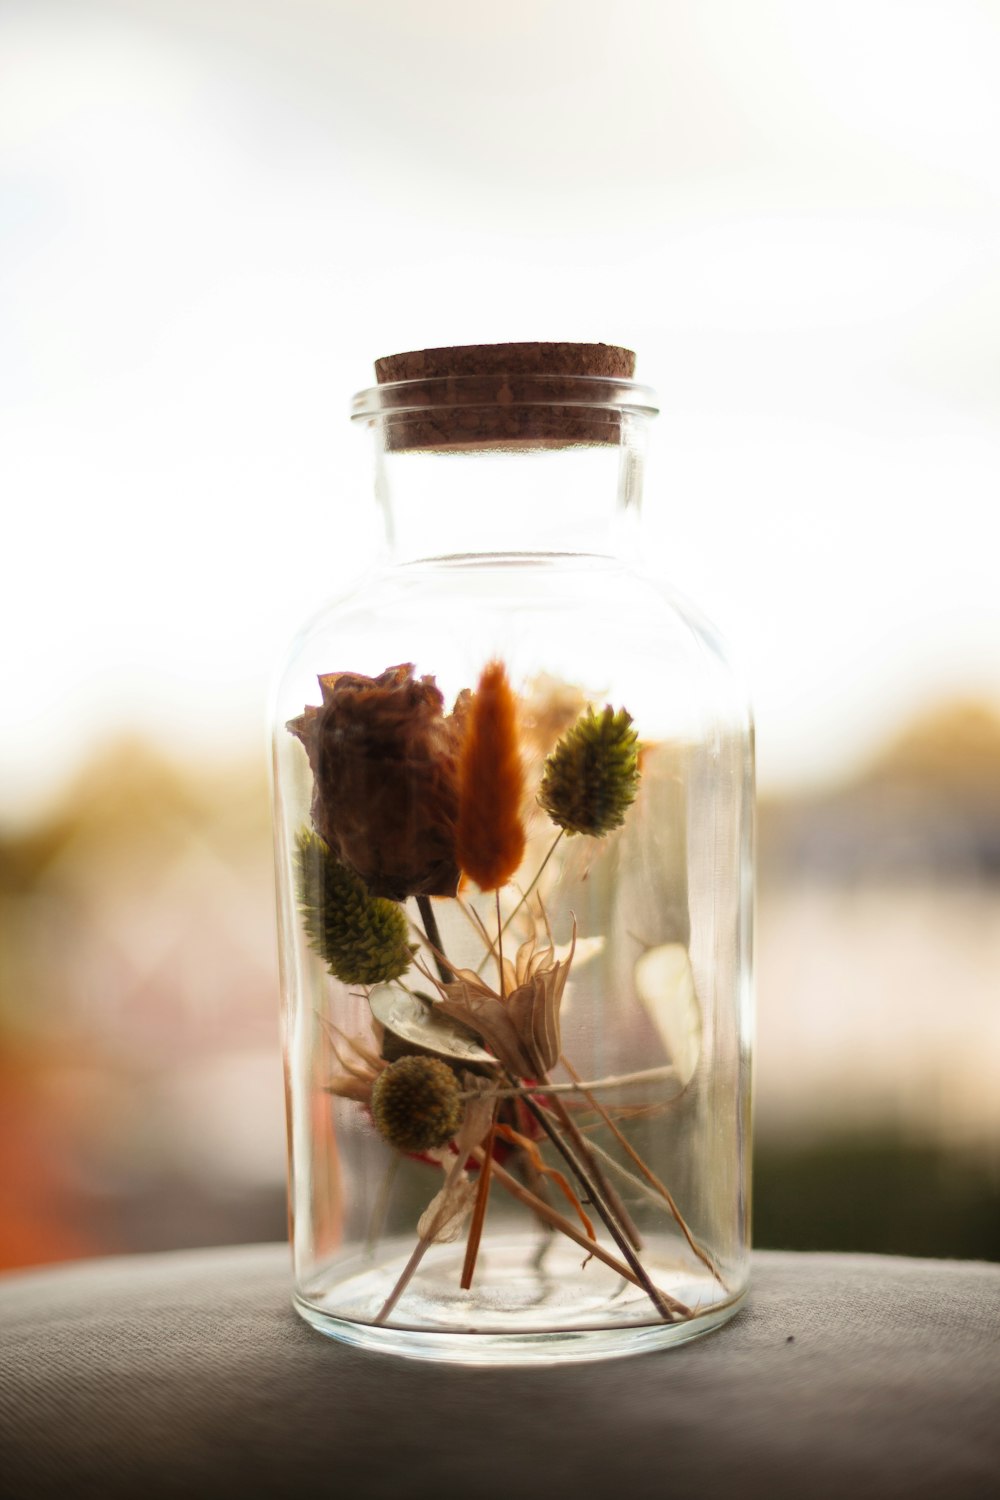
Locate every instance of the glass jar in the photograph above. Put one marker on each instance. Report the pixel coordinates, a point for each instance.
(513, 780)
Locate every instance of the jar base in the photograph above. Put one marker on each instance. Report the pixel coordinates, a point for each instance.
(521, 1310)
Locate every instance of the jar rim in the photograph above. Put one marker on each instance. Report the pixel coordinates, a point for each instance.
(451, 392)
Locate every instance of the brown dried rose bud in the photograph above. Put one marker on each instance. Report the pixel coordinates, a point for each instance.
(384, 762)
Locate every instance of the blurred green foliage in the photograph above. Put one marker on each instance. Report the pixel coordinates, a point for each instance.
(140, 1079)
(876, 1193)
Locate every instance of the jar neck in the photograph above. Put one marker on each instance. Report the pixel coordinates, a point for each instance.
(579, 498)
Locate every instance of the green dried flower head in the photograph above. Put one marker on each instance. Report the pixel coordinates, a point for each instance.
(592, 776)
(361, 937)
(415, 1103)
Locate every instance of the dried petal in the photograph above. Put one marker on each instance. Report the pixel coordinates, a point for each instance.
(360, 1064)
(522, 1030)
(346, 1086)
(534, 1009)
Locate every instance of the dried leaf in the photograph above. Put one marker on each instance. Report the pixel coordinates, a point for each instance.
(447, 1211)
(491, 1020)
(478, 1115)
(442, 1219)
(534, 1009)
(347, 1087)
(423, 1024)
(665, 985)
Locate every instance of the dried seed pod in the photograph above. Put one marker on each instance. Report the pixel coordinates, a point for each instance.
(363, 938)
(413, 1021)
(416, 1104)
(592, 776)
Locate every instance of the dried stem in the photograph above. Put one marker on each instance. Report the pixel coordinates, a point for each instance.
(483, 1186)
(434, 935)
(669, 1307)
(602, 1208)
(406, 1276)
(649, 1175)
(552, 1216)
(600, 1176)
(525, 895)
(420, 1249)
(579, 1158)
(479, 1210)
(478, 926)
(503, 987)
(654, 1197)
(613, 1081)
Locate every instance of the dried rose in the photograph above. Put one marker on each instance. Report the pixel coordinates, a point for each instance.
(384, 762)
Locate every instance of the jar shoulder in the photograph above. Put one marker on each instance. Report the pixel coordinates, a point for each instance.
(611, 626)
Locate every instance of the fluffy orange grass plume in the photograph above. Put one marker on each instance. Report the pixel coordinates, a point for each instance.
(489, 836)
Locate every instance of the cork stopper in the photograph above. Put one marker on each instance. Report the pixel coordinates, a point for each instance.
(504, 395)
(607, 360)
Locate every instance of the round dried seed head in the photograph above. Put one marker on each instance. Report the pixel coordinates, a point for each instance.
(416, 1104)
(363, 938)
(592, 776)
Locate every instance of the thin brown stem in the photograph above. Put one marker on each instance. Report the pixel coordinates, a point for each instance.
(503, 987)
(479, 1210)
(525, 896)
(675, 1311)
(649, 1175)
(483, 1187)
(601, 1207)
(552, 1216)
(421, 1248)
(477, 924)
(406, 1276)
(610, 1192)
(434, 936)
(613, 1081)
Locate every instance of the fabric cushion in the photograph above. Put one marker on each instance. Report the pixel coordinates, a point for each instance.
(189, 1374)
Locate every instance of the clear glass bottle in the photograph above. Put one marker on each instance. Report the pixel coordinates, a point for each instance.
(510, 730)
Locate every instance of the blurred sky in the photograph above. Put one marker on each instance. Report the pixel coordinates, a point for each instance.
(214, 214)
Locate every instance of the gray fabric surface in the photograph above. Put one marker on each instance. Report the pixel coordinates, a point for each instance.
(189, 1374)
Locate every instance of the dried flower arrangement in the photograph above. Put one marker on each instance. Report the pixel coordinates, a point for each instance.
(412, 802)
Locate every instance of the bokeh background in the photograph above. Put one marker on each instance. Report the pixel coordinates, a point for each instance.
(214, 214)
